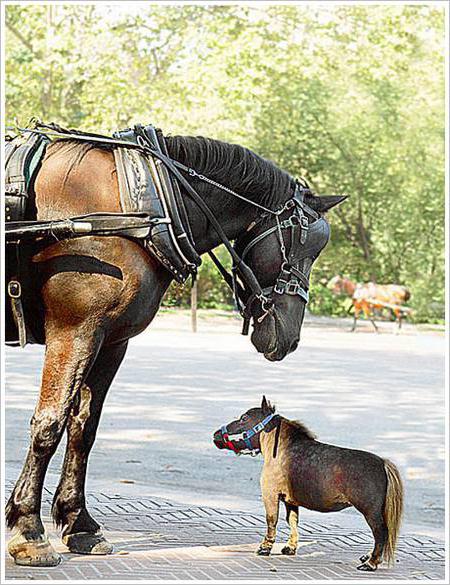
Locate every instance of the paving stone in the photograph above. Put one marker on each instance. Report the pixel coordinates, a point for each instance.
(165, 540)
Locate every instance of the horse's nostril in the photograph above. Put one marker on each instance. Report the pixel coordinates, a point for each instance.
(294, 345)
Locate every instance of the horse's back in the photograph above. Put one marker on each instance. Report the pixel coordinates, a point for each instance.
(75, 179)
(329, 478)
(386, 293)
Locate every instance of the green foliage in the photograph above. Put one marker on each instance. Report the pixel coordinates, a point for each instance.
(324, 302)
(349, 96)
(212, 293)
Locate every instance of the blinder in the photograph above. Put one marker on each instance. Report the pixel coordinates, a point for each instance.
(309, 233)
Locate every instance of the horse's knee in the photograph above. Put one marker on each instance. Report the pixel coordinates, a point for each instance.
(46, 431)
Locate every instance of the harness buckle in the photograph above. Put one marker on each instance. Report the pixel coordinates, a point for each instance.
(304, 227)
(14, 289)
(280, 286)
(292, 287)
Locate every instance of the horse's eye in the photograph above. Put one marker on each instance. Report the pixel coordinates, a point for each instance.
(244, 417)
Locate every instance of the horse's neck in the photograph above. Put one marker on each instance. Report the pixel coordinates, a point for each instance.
(233, 218)
(233, 214)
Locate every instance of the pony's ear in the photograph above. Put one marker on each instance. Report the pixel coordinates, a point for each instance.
(322, 203)
(266, 406)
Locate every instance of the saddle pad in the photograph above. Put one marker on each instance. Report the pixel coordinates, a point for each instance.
(142, 185)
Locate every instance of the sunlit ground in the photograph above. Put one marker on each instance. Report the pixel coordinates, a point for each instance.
(383, 393)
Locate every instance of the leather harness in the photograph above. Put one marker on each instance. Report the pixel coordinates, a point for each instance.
(306, 226)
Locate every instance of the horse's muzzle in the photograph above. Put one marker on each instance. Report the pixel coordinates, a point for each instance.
(218, 440)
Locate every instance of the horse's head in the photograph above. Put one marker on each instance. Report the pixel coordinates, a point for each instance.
(281, 255)
(242, 434)
(339, 285)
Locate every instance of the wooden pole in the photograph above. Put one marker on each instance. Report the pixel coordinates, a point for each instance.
(194, 307)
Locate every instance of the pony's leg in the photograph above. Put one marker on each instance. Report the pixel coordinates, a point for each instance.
(69, 354)
(81, 532)
(292, 520)
(380, 534)
(271, 504)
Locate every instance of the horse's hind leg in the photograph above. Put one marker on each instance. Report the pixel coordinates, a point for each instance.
(81, 532)
(292, 520)
(68, 357)
(380, 533)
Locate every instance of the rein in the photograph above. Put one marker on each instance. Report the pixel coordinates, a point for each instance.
(291, 280)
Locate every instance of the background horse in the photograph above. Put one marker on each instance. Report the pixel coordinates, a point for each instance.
(98, 292)
(369, 296)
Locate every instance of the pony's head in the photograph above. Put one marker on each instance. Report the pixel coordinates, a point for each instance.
(243, 434)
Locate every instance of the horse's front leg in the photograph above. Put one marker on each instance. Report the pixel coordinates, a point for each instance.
(272, 504)
(81, 533)
(69, 355)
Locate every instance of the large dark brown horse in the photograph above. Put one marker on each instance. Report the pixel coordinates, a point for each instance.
(91, 314)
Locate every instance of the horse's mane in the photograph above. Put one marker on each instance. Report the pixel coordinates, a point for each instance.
(299, 429)
(235, 166)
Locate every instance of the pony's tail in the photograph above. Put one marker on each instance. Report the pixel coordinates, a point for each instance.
(393, 509)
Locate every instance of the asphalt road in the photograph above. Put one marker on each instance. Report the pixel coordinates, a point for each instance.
(383, 393)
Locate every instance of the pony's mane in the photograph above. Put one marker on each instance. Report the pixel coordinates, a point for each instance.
(234, 166)
(301, 429)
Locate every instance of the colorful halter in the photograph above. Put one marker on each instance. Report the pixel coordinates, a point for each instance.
(246, 436)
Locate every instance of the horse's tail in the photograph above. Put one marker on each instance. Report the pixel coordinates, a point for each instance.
(393, 508)
(407, 294)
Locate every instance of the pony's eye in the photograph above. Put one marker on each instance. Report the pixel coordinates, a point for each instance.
(244, 417)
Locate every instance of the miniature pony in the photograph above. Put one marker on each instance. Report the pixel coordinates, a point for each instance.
(301, 471)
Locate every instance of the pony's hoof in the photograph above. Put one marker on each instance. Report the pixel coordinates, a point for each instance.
(33, 553)
(85, 543)
(263, 551)
(364, 558)
(288, 550)
(367, 566)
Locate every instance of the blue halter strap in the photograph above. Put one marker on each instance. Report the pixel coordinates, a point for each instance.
(246, 436)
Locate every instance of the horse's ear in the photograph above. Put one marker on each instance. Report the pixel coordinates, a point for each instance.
(322, 203)
(266, 407)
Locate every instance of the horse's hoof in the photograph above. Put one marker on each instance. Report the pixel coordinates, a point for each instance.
(263, 551)
(367, 566)
(364, 558)
(85, 543)
(33, 553)
(288, 550)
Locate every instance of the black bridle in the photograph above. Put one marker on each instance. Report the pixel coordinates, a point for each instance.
(292, 279)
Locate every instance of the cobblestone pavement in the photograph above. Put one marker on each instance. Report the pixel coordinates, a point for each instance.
(158, 539)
